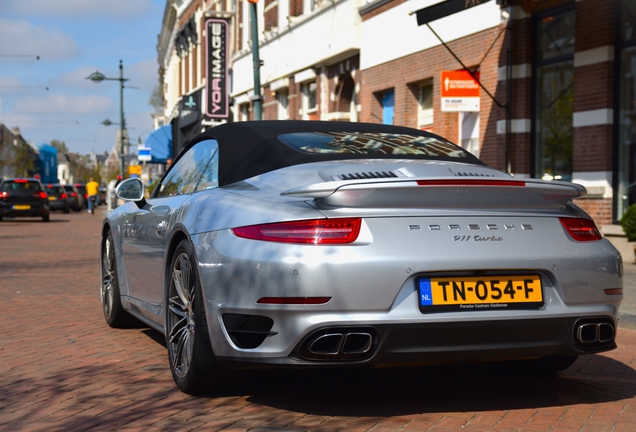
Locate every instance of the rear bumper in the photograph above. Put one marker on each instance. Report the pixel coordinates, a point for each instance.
(36, 210)
(450, 342)
(58, 205)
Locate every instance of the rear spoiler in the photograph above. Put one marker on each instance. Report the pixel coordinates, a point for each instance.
(441, 193)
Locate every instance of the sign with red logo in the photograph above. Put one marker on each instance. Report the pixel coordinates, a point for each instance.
(459, 91)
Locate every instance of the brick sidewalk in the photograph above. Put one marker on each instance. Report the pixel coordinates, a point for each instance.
(63, 368)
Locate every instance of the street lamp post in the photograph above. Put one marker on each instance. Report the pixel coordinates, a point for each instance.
(98, 77)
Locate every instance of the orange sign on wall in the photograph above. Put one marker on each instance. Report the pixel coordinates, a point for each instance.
(459, 91)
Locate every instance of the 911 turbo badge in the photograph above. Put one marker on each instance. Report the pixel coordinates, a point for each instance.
(477, 238)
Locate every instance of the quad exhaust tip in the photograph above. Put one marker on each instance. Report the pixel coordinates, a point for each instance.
(590, 332)
(340, 344)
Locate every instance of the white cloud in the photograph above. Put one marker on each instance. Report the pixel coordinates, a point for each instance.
(124, 10)
(63, 103)
(25, 39)
(144, 74)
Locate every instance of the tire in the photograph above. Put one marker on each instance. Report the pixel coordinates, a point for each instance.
(114, 312)
(66, 210)
(46, 218)
(192, 363)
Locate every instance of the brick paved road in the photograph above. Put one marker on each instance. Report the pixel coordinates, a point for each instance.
(62, 368)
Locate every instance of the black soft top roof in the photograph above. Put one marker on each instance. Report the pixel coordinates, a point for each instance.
(248, 149)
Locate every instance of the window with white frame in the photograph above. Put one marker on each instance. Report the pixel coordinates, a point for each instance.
(469, 131)
(244, 114)
(425, 105)
(282, 102)
(308, 91)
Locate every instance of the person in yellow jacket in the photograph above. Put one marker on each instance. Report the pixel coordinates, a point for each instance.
(92, 189)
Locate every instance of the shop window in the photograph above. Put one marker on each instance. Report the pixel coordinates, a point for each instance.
(282, 103)
(626, 123)
(554, 94)
(309, 106)
(425, 106)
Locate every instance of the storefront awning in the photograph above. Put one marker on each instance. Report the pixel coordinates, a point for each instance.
(160, 143)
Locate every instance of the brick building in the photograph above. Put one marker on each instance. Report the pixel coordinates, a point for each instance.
(560, 73)
(558, 77)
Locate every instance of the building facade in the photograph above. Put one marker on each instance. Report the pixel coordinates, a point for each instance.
(556, 78)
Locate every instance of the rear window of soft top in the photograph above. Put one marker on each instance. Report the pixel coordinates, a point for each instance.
(366, 143)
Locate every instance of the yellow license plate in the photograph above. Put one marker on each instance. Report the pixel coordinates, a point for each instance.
(52, 198)
(21, 207)
(479, 293)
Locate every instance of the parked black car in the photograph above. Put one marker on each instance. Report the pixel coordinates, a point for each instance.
(81, 189)
(23, 197)
(58, 199)
(75, 200)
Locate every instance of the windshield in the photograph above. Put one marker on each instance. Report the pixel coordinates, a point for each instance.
(371, 144)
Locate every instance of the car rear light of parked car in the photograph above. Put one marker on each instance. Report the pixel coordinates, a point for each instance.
(319, 231)
(41, 194)
(581, 229)
(63, 196)
(4, 195)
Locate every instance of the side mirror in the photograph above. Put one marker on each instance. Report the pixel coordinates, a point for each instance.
(131, 189)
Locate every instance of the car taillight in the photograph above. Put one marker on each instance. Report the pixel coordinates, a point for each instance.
(41, 195)
(21, 181)
(86, 195)
(4, 195)
(319, 231)
(63, 196)
(73, 194)
(581, 229)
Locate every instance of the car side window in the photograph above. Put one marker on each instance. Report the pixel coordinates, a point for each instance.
(185, 174)
(210, 177)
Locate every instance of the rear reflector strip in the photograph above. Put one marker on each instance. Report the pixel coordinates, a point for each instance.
(614, 291)
(471, 183)
(293, 300)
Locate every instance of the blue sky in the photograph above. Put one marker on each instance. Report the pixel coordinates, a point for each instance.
(74, 38)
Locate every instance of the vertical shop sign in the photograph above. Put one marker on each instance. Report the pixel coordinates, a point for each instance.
(217, 76)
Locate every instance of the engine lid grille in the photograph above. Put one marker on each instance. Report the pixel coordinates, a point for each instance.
(366, 175)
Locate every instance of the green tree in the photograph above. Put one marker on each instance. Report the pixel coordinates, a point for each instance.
(24, 161)
(156, 99)
(59, 145)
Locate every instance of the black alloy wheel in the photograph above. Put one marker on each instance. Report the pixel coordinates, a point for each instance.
(192, 362)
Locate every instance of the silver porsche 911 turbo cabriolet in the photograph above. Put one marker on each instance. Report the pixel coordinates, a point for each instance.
(324, 244)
